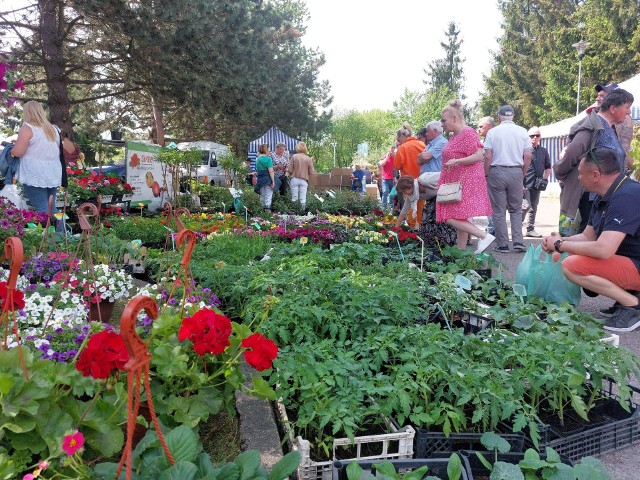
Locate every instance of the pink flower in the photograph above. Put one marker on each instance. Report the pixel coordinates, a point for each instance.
(72, 443)
(28, 476)
(43, 465)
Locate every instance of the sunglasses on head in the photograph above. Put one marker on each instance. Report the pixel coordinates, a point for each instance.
(592, 155)
(537, 135)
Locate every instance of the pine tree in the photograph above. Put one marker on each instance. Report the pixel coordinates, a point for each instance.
(448, 71)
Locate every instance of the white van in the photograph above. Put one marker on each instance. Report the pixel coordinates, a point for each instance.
(208, 167)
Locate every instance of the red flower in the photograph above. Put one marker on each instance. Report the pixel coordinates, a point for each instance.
(208, 331)
(18, 298)
(105, 351)
(262, 351)
(72, 443)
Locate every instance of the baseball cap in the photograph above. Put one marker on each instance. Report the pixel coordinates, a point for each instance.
(606, 88)
(506, 111)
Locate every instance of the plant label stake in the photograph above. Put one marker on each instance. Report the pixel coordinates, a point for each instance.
(319, 198)
(391, 232)
(421, 254)
(246, 215)
(224, 208)
(173, 241)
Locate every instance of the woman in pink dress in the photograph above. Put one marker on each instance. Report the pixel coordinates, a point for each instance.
(462, 160)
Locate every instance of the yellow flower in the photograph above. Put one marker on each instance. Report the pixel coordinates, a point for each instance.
(304, 240)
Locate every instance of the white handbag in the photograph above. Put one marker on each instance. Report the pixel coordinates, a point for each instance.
(449, 193)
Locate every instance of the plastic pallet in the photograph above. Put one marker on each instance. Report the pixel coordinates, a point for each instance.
(428, 444)
(398, 444)
(620, 430)
(437, 467)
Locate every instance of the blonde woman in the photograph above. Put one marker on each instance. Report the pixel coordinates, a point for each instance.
(300, 169)
(38, 147)
(462, 161)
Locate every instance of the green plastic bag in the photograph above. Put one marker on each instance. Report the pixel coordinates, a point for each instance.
(544, 279)
(238, 205)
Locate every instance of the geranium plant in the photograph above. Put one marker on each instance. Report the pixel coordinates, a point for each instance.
(87, 185)
(10, 81)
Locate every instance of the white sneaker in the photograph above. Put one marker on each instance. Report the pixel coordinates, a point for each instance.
(484, 243)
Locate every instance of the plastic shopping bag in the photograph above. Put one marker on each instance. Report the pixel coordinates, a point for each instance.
(544, 279)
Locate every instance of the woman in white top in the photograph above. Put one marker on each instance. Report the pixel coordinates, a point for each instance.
(38, 147)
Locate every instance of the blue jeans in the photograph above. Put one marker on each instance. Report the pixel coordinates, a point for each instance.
(387, 186)
(39, 197)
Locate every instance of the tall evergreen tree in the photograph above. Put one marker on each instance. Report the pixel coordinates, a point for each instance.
(448, 71)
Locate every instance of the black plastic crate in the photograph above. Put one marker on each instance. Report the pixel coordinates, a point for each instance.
(437, 467)
(428, 444)
(618, 428)
(474, 466)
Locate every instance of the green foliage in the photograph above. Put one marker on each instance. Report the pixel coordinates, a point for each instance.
(37, 413)
(191, 463)
(149, 230)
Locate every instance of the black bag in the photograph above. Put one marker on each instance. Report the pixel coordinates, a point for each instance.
(357, 184)
(540, 184)
(64, 181)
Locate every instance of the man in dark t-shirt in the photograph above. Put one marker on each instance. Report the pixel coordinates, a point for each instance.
(605, 258)
(540, 169)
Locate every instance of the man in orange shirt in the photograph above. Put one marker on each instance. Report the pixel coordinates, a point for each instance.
(406, 160)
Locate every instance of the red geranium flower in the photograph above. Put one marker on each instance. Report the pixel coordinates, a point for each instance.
(105, 351)
(207, 330)
(18, 298)
(262, 351)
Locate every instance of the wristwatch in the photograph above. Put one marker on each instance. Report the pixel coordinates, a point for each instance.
(556, 245)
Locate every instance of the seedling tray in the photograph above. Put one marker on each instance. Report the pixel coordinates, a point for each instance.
(615, 428)
(428, 444)
(397, 444)
(437, 467)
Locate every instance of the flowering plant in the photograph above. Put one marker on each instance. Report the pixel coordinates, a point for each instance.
(13, 220)
(100, 283)
(366, 236)
(86, 185)
(10, 80)
(105, 352)
(196, 353)
(403, 235)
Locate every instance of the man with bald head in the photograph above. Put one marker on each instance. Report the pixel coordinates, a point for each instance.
(539, 170)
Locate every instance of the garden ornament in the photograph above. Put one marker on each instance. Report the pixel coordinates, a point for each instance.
(138, 375)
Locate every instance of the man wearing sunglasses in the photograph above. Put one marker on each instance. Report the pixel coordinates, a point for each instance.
(535, 181)
(605, 258)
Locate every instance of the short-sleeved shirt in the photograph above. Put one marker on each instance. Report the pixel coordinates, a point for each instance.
(617, 211)
(263, 162)
(540, 162)
(508, 142)
(434, 147)
(280, 160)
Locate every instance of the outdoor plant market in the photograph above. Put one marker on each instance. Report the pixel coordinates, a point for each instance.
(217, 264)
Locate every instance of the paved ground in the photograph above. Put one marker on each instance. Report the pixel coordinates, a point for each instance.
(623, 463)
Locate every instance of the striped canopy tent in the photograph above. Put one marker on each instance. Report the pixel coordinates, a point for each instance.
(272, 137)
(554, 136)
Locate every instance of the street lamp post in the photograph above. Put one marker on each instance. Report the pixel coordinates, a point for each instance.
(581, 48)
(334, 145)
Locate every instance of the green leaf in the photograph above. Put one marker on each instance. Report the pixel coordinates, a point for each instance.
(285, 466)
(262, 389)
(108, 441)
(417, 474)
(506, 471)
(248, 462)
(493, 441)
(183, 444)
(454, 467)
(181, 470)
(386, 468)
(354, 471)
